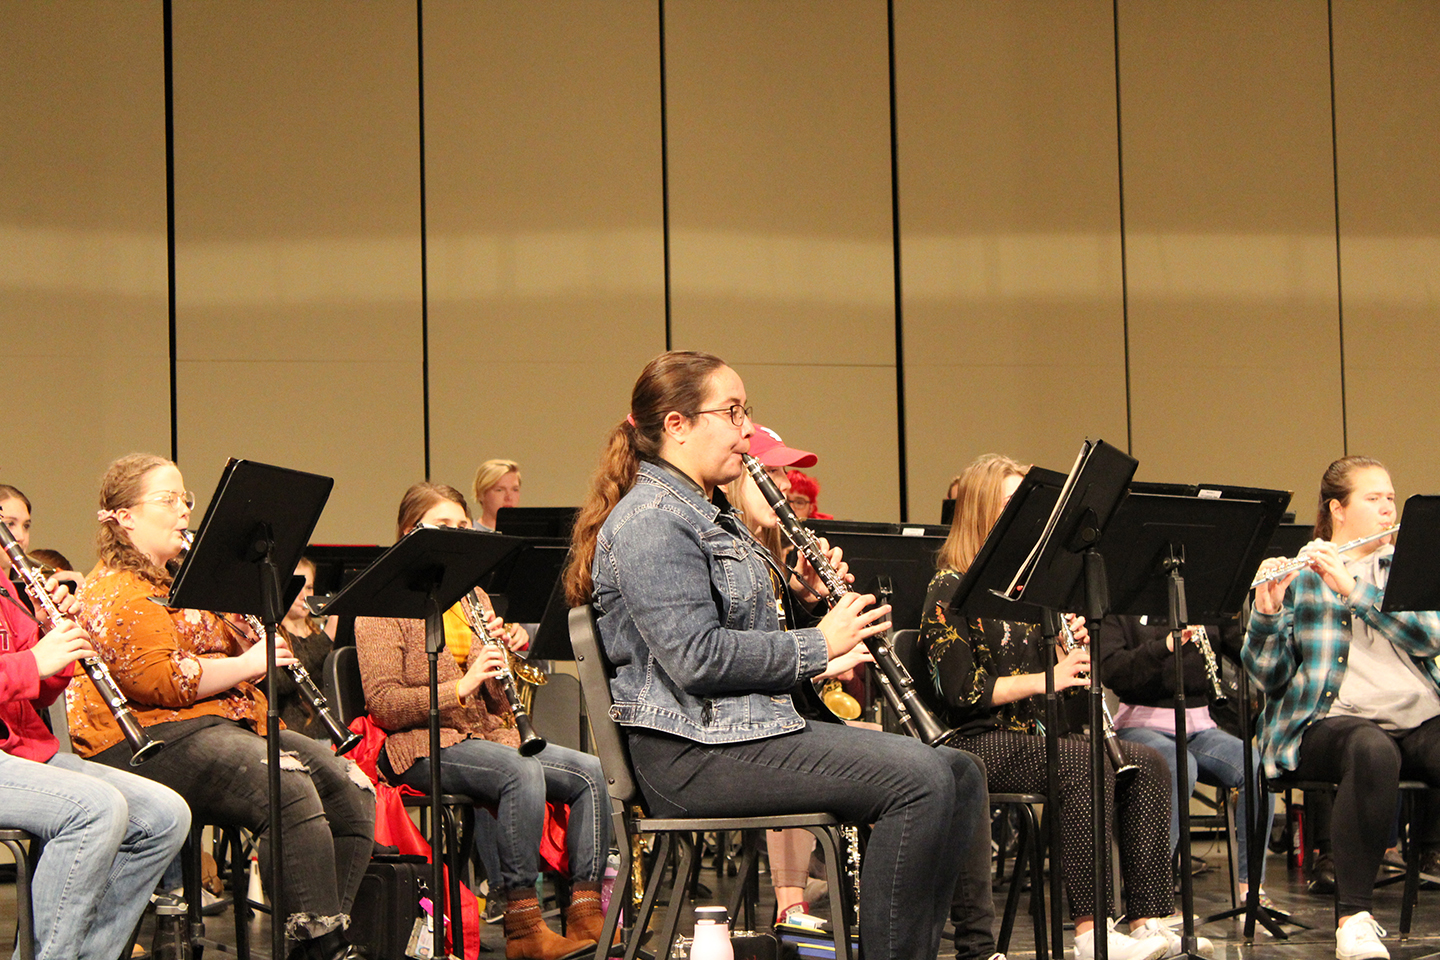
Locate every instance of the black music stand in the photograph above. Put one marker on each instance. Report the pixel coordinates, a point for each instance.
(1066, 572)
(1217, 543)
(1012, 537)
(419, 578)
(253, 533)
(1413, 584)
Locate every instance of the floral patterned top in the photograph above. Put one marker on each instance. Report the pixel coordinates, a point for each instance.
(966, 656)
(154, 654)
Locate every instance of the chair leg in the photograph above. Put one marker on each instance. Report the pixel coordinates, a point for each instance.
(1012, 897)
(840, 905)
(1037, 880)
(1412, 862)
(687, 868)
(747, 880)
(664, 845)
(240, 892)
(24, 907)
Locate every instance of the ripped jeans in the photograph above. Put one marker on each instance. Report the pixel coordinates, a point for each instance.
(327, 817)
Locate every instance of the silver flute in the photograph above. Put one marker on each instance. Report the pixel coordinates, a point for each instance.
(1302, 561)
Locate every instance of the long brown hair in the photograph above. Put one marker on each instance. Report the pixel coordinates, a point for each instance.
(674, 381)
(121, 487)
(1337, 484)
(977, 507)
(420, 498)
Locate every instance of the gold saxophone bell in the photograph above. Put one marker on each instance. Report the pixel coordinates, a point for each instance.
(527, 677)
(838, 702)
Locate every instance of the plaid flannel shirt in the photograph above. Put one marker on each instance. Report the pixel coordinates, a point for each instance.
(1298, 656)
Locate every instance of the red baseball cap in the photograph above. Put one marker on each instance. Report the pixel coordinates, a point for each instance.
(767, 447)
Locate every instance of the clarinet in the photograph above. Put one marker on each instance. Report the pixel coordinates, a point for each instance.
(142, 747)
(531, 742)
(1201, 636)
(344, 740)
(896, 684)
(1123, 771)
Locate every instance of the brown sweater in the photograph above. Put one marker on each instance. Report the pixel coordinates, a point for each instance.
(396, 675)
(154, 654)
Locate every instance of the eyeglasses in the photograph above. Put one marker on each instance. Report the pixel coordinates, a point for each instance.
(173, 500)
(737, 414)
(798, 502)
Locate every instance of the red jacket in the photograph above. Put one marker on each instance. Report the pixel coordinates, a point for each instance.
(22, 692)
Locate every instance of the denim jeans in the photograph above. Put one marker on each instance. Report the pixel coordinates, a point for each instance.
(327, 816)
(924, 804)
(519, 786)
(109, 835)
(1217, 758)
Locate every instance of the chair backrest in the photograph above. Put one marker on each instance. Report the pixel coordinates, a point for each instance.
(595, 671)
(342, 684)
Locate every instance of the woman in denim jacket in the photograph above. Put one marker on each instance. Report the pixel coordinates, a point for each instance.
(703, 672)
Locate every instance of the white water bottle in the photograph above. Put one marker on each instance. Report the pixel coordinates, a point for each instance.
(712, 935)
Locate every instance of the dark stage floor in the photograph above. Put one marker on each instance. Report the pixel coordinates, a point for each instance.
(1211, 896)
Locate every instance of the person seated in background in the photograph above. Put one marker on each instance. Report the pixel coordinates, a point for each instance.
(497, 484)
(479, 756)
(804, 496)
(311, 642)
(1138, 663)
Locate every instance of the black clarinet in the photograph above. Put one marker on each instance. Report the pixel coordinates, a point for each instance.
(531, 742)
(142, 747)
(896, 684)
(344, 740)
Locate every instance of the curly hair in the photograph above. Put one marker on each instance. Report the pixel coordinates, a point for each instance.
(121, 487)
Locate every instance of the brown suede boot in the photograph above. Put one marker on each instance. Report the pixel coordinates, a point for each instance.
(528, 938)
(584, 918)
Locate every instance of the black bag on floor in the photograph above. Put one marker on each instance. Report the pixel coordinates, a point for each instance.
(388, 904)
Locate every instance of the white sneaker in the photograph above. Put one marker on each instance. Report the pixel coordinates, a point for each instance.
(1359, 939)
(1121, 946)
(1159, 928)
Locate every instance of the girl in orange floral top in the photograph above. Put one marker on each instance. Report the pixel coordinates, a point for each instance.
(190, 677)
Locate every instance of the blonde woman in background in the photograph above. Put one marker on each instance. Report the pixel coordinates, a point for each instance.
(497, 484)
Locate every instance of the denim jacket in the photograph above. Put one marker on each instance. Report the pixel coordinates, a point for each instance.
(687, 616)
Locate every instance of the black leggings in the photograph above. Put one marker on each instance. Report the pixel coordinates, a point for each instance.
(1366, 764)
(1016, 764)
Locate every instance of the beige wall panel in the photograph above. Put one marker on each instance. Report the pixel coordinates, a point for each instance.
(1014, 340)
(298, 249)
(544, 213)
(1230, 230)
(82, 252)
(781, 230)
(1387, 106)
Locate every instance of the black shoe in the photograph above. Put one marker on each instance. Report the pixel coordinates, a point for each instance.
(1430, 867)
(1322, 875)
(327, 946)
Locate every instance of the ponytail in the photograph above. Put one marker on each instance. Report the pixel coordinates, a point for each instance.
(676, 381)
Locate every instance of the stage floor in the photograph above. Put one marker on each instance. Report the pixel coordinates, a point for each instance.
(1286, 888)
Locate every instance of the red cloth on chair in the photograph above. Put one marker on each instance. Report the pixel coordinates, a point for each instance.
(394, 828)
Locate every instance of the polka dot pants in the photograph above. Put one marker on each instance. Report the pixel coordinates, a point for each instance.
(1016, 763)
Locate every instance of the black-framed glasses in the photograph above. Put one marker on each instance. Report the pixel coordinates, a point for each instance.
(737, 414)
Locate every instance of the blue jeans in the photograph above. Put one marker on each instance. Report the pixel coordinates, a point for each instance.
(519, 786)
(109, 835)
(1218, 759)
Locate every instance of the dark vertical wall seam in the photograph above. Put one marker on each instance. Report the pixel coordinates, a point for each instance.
(168, 28)
(665, 172)
(1339, 286)
(424, 252)
(1124, 273)
(900, 446)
